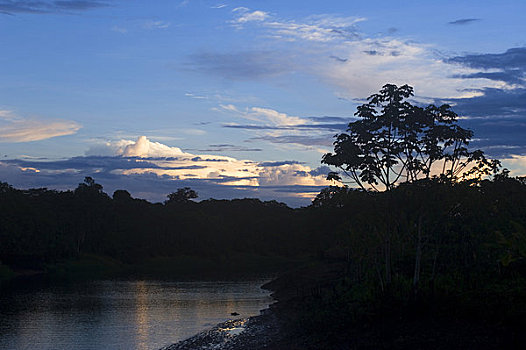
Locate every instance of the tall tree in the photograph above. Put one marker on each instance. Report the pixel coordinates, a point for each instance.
(395, 141)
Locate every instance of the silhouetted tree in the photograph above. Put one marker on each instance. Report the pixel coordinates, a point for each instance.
(122, 195)
(182, 195)
(395, 141)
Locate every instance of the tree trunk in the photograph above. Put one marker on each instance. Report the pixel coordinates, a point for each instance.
(387, 260)
(418, 255)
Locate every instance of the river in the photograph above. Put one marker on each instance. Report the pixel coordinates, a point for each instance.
(142, 315)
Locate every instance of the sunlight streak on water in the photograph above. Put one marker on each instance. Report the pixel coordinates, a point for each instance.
(141, 315)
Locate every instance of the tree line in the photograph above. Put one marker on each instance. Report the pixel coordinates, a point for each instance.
(39, 226)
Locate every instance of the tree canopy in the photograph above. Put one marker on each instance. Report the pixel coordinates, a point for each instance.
(395, 141)
(182, 195)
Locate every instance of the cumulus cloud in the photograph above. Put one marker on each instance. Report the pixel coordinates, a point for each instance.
(142, 148)
(18, 129)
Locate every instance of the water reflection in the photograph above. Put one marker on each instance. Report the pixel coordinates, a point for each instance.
(121, 314)
(141, 315)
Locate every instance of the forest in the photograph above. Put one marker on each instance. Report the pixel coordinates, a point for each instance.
(431, 240)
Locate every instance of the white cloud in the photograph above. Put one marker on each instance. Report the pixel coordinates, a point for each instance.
(153, 24)
(142, 148)
(244, 15)
(516, 164)
(275, 117)
(118, 29)
(253, 16)
(369, 64)
(266, 116)
(176, 164)
(17, 129)
(317, 29)
(290, 174)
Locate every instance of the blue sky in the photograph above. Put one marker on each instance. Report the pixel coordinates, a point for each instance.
(239, 98)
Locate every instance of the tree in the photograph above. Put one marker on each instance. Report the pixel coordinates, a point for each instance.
(122, 196)
(182, 195)
(89, 186)
(394, 141)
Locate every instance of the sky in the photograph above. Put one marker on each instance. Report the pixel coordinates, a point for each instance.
(239, 99)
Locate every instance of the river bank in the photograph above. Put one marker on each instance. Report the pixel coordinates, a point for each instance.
(311, 314)
(257, 332)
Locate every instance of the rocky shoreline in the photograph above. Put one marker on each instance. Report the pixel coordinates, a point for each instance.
(257, 332)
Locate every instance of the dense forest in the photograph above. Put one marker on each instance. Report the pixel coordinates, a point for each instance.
(40, 227)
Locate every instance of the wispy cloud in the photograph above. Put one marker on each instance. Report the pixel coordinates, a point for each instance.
(155, 24)
(16, 129)
(464, 21)
(43, 6)
(508, 67)
(225, 147)
(119, 29)
(244, 15)
(305, 140)
(279, 128)
(248, 65)
(356, 64)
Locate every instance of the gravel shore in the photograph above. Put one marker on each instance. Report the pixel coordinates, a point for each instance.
(258, 332)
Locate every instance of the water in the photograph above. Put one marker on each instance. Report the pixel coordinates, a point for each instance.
(143, 315)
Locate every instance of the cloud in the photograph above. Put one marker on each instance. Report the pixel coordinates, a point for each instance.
(156, 24)
(326, 119)
(280, 128)
(279, 163)
(17, 129)
(271, 119)
(229, 148)
(151, 170)
(319, 28)
(355, 64)
(509, 66)
(464, 21)
(497, 115)
(244, 15)
(245, 65)
(43, 6)
(516, 164)
(118, 29)
(142, 148)
(319, 127)
(326, 140)
(274, 117)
